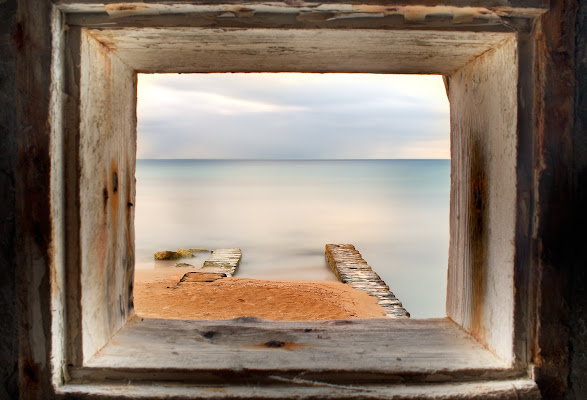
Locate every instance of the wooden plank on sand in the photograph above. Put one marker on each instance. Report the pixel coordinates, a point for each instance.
(198, 276)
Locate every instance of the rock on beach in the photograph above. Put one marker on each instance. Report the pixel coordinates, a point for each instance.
(167, 255)
(176, 255)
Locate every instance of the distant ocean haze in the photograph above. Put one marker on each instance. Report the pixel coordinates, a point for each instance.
(282, 214)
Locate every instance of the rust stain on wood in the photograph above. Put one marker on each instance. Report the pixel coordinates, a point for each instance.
(114, 191)
(477, 236)
(279, 345)
(107, 41)
(125, 7)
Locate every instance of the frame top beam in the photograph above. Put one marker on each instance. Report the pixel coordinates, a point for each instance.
(205, 50)
(416, 9)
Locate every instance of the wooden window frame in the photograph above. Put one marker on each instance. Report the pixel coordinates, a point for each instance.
(86, 137)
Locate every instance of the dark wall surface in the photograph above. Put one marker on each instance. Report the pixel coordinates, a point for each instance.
(8, 321)
(554, 218)
(33, 239)
(560, 245)
(578, 340)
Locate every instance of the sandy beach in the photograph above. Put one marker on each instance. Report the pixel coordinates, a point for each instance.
(159, 294)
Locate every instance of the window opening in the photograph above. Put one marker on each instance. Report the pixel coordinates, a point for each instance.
(279, 165)
(482, 84)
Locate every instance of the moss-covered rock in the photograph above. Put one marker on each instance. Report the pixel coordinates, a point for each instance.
(180, 253)
(185, 253)
(167, 255)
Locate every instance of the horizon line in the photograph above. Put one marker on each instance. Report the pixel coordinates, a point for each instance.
(293, 159)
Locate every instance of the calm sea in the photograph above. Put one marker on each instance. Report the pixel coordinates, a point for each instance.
(282, 213)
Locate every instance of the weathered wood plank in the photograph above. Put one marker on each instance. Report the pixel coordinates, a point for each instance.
(520, 7)
(296, 50)
(484, 197)
(106, 231)
(350, 268)
(199, 276)
(251, 349)
(516, 389)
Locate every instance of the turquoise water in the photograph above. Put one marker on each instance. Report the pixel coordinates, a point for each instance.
(282, 213)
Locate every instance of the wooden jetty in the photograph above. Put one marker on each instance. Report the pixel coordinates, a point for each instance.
(221, 264)
(350, 268)
(225, 260)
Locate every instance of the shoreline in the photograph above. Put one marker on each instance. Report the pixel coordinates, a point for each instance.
(158, 294)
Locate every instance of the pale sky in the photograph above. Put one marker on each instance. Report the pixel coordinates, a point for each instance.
(292, 116)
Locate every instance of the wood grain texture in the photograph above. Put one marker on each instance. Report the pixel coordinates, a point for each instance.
(480, 294)
(531, 7)
(518, 389)
(296, 50)
(340, 351)
(107, 152)
(559, 213)
(26, 42)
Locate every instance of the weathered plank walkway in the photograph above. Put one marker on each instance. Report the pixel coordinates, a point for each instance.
(227, 260)
(198, 276)
(350, 268)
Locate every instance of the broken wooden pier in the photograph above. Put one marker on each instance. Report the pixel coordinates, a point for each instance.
(227, 260)
(221, 264)
(350, 268)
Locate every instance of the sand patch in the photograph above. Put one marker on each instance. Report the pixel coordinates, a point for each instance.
(157, 294)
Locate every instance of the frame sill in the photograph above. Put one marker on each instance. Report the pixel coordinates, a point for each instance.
(260, 352)
(509, 389)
